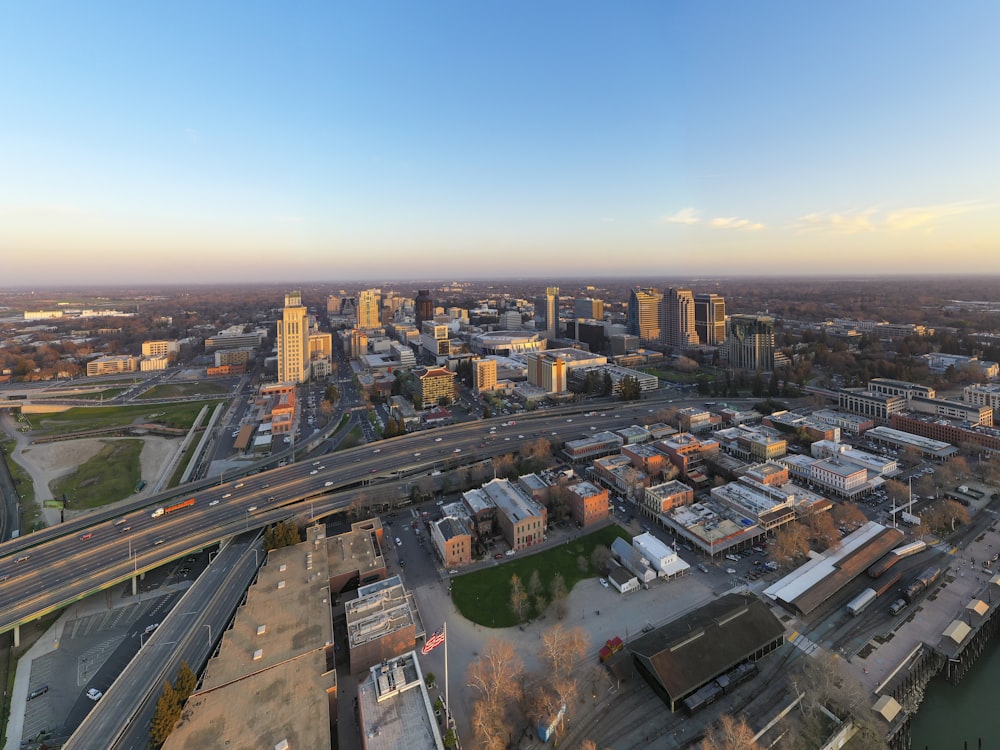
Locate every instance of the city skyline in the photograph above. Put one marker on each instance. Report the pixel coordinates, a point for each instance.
(179, 143)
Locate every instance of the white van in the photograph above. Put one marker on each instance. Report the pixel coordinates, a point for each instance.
(733, 558)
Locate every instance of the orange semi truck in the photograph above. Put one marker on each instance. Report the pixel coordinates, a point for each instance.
(171, 508)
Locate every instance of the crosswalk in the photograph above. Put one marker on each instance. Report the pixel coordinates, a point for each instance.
(803, 643)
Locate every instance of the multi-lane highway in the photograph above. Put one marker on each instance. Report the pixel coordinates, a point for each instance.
(43, 572)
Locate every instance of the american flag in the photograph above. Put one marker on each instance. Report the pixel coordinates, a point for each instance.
(435, 640)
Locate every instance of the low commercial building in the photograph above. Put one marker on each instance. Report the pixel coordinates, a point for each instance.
(956, 432)
(519, 518)
(357, 557)
(381, 623)
(633, 560)
(592, 446)
(679, 658)
(877, 406)
(662, 558)
(154, 363)
(688, 453)
(453, 541)
(623, 580)
(588, 503)
(753, 444)
(661, 498)
(111, 365)
(929, 448)
(278, 652)
(853, 424)
(165, 347)
(394, 709)
(617, 473)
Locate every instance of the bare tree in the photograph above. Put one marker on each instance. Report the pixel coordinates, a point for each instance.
(600, 558)
(729, 734)
(534, 584)
(496, 674)
(849, 515)
(504, 466)
(558, 594)
(518, 598)
(898, 492)
(790, 543)
(823, 530)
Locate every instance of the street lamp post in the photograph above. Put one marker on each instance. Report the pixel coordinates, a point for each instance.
(206, 625)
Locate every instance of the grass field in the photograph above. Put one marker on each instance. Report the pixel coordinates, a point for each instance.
(30, 511)
(91, 418)
(104, 393)
(484, 596)
(351, 439)
(185, 459)
(177, 390)
(109, 476)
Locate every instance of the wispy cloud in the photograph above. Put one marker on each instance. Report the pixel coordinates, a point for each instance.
(193, 135)
(876, 219)
(732, 222)
(690, 217)
(608, 219)
(686, 216)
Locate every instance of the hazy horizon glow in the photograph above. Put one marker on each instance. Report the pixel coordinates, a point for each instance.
(245, 142)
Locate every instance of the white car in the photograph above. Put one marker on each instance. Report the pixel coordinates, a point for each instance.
(314, 471)
(437, 440)
(214, 502)
(458, 450)
(327, 484)
(399, 543)
(604, 582)
(94, 694)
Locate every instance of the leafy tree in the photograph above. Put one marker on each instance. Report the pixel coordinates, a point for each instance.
(186, 681)
(166, 716)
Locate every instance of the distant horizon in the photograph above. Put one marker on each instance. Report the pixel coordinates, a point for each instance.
(417, 283)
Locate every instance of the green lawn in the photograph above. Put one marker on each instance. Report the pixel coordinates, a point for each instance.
(185, 459)
(484, 596)
(30, 511)
(104, 393)
(177, 390)
(109, 476)
(91, 418)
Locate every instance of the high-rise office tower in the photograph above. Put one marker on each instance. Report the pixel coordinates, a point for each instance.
(369, 302)
(710, 318)
(679, 319)
(293, 341)
(547, 312)
(750, 342)
(424, 307)
(590, 309)
(645, 315)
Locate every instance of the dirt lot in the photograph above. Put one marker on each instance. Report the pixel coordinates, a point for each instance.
(49, 461)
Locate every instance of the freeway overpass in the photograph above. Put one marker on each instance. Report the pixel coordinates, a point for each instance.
(44, 571)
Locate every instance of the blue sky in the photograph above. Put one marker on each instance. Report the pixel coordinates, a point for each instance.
(205, 142)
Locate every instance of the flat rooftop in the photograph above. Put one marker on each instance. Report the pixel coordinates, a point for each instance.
(378, 614)
(394, 708)
(357, 549)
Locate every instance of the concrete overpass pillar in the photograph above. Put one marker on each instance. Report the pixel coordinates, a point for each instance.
(17, 636)
(135, 585)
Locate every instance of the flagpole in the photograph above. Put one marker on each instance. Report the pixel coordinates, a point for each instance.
(447, 705)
